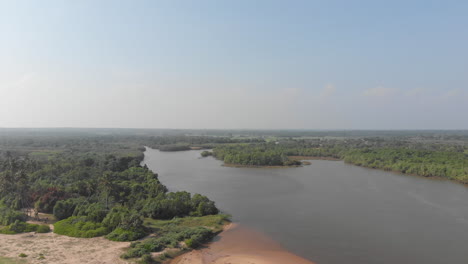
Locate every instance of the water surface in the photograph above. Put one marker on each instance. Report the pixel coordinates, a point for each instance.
(331, 212)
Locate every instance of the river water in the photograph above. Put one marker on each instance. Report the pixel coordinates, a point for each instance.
(331, 212)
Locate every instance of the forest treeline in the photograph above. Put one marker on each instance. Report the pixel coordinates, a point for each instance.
(252, 155)
(183, 142)
(96, 194)
(429, 160)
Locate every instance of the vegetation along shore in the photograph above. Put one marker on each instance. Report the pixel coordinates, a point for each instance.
(84, 184)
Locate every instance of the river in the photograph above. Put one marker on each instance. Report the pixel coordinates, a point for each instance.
(331, 212)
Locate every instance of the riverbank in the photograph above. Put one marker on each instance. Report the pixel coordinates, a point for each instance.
(432, 177)
(240, 245)
(259, 167)
(312, 158)
(305, 160)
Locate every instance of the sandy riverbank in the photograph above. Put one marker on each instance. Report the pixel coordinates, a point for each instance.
(57, 249)
(235, 245)
(240, 245)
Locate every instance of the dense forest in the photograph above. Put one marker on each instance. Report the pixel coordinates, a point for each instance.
(412, 157)
(182, 142)
(91, 181)
(98, 193)
(252, 155)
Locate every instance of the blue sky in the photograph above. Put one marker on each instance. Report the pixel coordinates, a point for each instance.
(234, 64)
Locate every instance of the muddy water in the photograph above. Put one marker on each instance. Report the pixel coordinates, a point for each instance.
(331, 212)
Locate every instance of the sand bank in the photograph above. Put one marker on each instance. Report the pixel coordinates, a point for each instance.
(57, 249)
(240, 245)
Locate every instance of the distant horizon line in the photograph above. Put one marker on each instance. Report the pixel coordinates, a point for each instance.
(253, 129)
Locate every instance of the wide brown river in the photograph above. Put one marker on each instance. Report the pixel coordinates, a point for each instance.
(331, 212)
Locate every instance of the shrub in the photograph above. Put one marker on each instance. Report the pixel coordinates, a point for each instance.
(79, 227)
(65, 208)
(206, 153)
(197, 236)
(5, 230)
(292, 163)
(135, 253)
(120, 234)
(115, 217)
(43, 229)
(189, 242)
(170, 237)
(22, 227)
(94, 212)
(9, 216)
(201, 206)
(146, 259)
(22, 255)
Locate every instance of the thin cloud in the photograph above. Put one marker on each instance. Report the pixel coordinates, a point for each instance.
(453, 93)
(26, 78)
(329, 90)
(380, 91)
(416, 92)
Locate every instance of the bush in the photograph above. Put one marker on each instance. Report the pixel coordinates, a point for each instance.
(5, 230)
(197, 236)
(150, 245)
(65, 208)
(22, 255)
(9, 216)
(201, 206)
(94, 212)
(292, 163)
(43, 229)
(22, 227)
(170, 237)
(206, 153)
(146, 259)
(80, 227)
(135, 253)
(189, 242)
(120, 234)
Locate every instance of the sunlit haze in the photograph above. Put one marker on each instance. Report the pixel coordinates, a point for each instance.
(234, 64)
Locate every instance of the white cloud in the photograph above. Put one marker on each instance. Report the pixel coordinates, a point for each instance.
(380, 91)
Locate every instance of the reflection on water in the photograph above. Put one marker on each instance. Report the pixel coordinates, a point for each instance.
(331, 212)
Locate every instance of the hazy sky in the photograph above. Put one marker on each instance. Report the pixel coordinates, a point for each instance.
(400, 64)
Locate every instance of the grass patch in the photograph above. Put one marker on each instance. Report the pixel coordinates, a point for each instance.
(79, 227)
(213, 222)
(194, 231)
(51, 219)
(5, 260)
